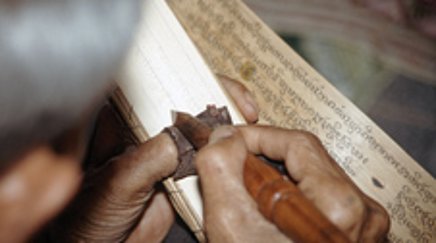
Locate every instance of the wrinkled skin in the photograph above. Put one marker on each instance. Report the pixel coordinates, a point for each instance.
(235, 218)
(119, 192)
(115, 186)
(118, 199)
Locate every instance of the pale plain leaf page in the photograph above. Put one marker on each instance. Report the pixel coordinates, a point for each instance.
(165, 72)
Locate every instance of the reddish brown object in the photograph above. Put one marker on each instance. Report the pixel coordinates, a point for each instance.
(278, 199)
(281, 202)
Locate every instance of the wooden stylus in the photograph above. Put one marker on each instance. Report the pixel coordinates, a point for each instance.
(278, 199)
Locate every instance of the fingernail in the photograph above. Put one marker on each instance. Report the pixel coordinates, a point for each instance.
(250, 104)
(221, 133)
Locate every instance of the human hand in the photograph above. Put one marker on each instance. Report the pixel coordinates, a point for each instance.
(231, 215)
(120, 201)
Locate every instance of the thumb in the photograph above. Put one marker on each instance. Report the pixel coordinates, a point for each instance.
(138, 169)
(231, 214)
(227, 204)
(220, 164)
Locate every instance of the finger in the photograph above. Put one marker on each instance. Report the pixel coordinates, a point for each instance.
(138, 169)
(318, 176)
(242, 97)
(377, 224)
(291, 146)
(220, 165)
(155, 222)
(231, 215)
(113, 200)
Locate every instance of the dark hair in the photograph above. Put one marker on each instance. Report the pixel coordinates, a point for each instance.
(56, 59)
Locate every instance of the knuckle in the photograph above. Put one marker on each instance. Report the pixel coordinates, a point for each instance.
(352, 214)
(385, 222)
(307, 147)
(307, 138)
(381, 219)
(342, 205)
(226, 219)
(146, 163)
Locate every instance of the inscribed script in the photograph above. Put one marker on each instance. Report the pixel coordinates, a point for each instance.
(291, 94)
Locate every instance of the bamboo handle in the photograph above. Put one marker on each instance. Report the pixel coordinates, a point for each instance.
(278, 199)
(281, 202)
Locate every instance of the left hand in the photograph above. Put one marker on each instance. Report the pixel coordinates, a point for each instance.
(120, 202)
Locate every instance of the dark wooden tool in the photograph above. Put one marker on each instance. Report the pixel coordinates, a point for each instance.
(278, 199)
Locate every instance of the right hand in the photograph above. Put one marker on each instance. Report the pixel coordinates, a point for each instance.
(231, 215)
